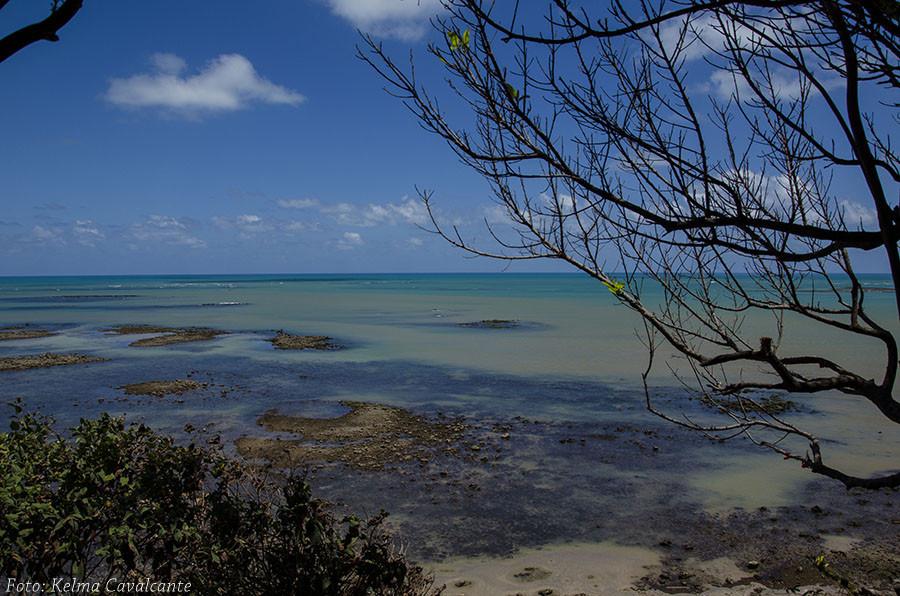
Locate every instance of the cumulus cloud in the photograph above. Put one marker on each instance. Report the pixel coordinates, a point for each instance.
(47, 235)
(349, 241)
(701, 37)
(408, 211)
(401, 19)
(500, 215)
(163, 229)
(247, 225)
(86, 232)
(856, 215)
(707, 34)
(251, 225)
(300, 226)
(783, 84)
(297, 203)
(227, 83)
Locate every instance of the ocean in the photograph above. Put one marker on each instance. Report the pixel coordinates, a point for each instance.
(581, 455)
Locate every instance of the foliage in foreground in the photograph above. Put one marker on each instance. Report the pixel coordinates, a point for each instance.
(117, 501)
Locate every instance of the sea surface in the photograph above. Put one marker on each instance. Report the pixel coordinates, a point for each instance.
(584, 458)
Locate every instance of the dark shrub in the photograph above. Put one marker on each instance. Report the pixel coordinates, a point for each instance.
(117, 501)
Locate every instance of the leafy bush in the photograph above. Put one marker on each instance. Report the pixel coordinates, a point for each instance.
(118, 501)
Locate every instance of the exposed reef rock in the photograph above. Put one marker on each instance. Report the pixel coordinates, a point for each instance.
(369, 436)
(768, 404)
(44, 361)
(491, 324)
(162, 388)
(11, 333)
(287, 341)
(169, 335)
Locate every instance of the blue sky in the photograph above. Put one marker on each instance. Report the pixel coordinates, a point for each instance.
(282, 154)
(174, 137)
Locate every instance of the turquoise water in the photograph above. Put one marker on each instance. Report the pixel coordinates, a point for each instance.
(576, 327)
(573, 365)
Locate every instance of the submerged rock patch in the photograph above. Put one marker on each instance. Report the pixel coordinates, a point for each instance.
(768, 404)
(288, 341)
(491, 324)
(169, 335)
(162, 388)
(369, 436)
(44, 361)
(11, 333)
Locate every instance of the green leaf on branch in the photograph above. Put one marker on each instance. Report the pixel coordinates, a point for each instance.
(614, 287)
(458, 41)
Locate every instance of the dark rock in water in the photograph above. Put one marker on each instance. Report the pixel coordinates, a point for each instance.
(491, 324)
(44, 361)
(140, 329)
(162, 388)
(24, 332)
(287, 341)
(170, 335)
(768, 404)
(367, 437)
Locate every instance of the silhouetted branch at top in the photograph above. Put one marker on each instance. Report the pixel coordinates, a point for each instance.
(684, 154)
(44, 30)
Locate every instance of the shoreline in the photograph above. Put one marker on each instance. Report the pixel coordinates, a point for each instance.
(600, 569)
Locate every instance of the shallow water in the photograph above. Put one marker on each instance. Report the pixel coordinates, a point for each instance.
(583, 461)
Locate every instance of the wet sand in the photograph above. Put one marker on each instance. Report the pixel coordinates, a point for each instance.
(596, 569)
(600, 569)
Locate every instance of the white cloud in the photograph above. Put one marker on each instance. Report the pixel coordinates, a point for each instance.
(86, 232)
(47, 235)
(565, 201)
(349, 241)
(415, 242)
(701, 37)
(247, 225)
(227, 83)
(300, 226)
(408, 211)
(402, 19)
(784, 84)
(856, 215)
(707, 34)
(297, 203)
(250, 225)
(163, 229)
(500, 215)
(168, 63)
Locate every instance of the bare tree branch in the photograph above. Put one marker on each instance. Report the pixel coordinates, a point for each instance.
(45, 30)
(607, 154)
